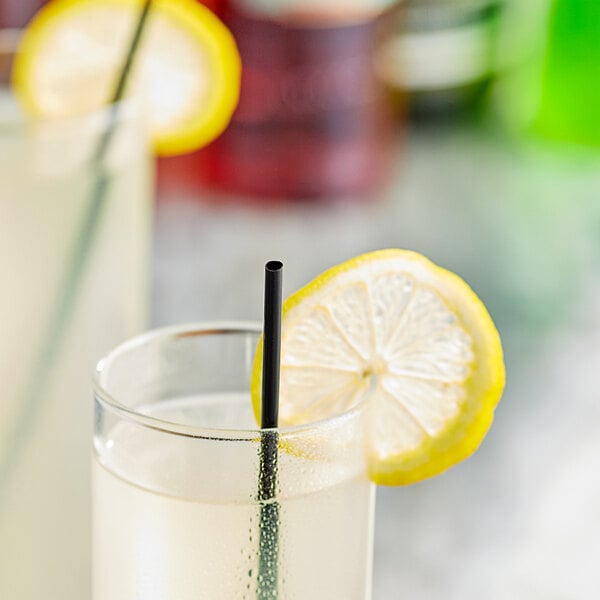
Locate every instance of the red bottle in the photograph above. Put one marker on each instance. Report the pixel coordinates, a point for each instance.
(312, 121)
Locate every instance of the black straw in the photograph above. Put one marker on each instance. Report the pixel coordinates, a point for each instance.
(79, 256)
(121, 83)
(271, 345)
(268, 552)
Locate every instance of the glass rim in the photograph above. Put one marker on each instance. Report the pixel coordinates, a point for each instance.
(108, 401)
(123, 111)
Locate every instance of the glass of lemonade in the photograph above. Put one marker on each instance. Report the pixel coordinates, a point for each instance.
(74, 285)
(176, 509)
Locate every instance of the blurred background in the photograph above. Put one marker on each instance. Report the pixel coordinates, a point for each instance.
(468, 130)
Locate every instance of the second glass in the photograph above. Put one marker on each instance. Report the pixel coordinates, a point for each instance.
(178, 460)
(74, 244)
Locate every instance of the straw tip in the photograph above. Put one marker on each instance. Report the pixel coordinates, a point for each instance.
(274, 265)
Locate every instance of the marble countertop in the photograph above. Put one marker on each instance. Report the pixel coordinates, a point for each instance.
(521, 518)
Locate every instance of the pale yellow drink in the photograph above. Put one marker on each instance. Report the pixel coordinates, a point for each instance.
(203, 544)
(47, 178)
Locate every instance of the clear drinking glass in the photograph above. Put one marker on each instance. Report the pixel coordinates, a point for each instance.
(176, 512)
(73, 266)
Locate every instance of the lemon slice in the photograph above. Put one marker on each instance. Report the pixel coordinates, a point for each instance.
(409, 336)
(186, 71)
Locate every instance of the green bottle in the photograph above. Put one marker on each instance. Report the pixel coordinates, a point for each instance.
(570, 99)
(553, 89)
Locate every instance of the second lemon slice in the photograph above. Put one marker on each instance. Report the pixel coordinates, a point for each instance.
(410, 336)
(186, 72)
